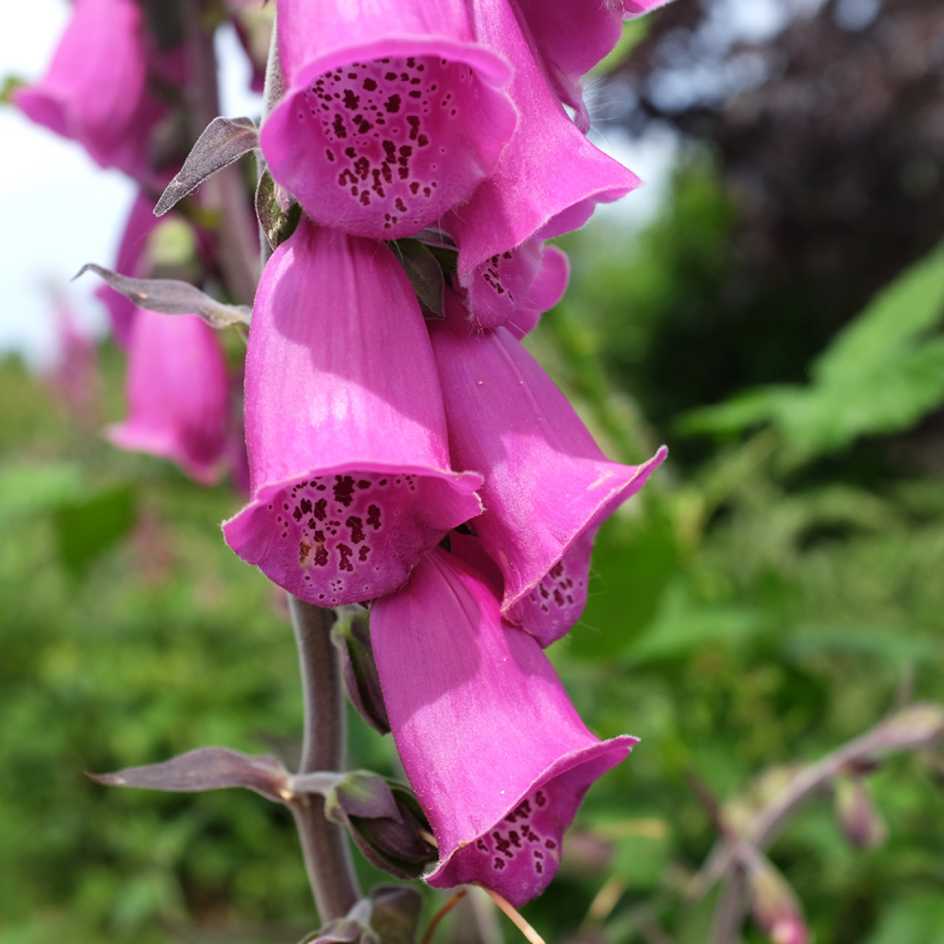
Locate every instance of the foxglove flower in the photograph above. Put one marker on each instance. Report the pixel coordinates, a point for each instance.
(572, 36)
(96, 90)
(547, 182)
(129, 261)
(178, 394)
(348, 456)
(392, 113)
(496, 753)
(548, 487)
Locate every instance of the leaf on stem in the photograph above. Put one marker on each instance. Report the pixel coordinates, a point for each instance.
(171, 297)
(223, 142)
(207, 768)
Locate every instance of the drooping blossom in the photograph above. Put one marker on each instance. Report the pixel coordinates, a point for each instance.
(547, 182)
(97, 89)
(491, 744)
(548, 487)
(178, 394)
(534, 276)
(572, 36)
(393, 113)
(345, 429)
(132, 247)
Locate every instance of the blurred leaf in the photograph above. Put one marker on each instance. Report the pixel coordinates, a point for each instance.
(8, 86)
(26, 490)
(912, 918)
(880, 376)
(685, 624)
(893, 321)
(89, 527)
(634, 560)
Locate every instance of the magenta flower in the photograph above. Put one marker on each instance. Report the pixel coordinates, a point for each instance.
(178, 394)
(548, 487)
(345, 427)
(393, 112)
(131, 253)
(490, 742)
(572, 36)
(547, 182)
(96, 88)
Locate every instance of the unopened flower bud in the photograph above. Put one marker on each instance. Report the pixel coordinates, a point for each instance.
(383, 817)
(858, 817)
(351, 637)
(775, 907)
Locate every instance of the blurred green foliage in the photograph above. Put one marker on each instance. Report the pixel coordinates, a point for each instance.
(775, 592)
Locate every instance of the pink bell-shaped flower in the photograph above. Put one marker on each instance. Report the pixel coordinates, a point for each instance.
(548, 487)
(517, 288)
(96, 90)
(547, 182)
(572, 36)
(392, 113)
(178, 394)
(496, 753)
(345, 428)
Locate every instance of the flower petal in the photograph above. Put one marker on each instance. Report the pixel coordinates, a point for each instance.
(393, 113)
(548, 487)
(178, 393)
(344, 425)
(490, 742)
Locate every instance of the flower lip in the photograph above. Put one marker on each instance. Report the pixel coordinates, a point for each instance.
(605, 507)
(487, 63)
(331, 543)
(365, 132)
(597, 759)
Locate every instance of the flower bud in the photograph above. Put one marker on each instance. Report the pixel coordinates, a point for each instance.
(383, 817)
(774, 905)
(351, 637)
(860, 821)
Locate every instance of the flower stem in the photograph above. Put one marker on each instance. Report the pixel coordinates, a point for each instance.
(324, 844)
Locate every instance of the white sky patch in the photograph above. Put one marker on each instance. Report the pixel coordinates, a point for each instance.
(58, 207)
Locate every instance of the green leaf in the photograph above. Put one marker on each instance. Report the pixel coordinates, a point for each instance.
(33, 489)
(9, 85)
(917, 917)
(685, 624)
(912, 304)
(88, 528)
(880, 376)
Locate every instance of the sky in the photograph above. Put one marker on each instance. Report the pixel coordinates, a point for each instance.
(60, 210)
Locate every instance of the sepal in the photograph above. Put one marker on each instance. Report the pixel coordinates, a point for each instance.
(389, 915)
(351, 637)
(383, 818)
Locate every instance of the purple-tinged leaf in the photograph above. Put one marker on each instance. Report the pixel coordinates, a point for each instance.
(208, 768)
(171, 297)
(223, 142)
